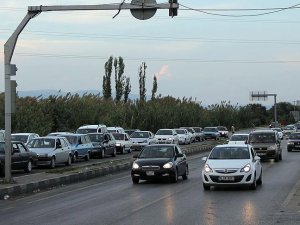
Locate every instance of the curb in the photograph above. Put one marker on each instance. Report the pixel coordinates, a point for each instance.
(75, 177)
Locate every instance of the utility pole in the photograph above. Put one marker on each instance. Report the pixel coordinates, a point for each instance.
(140, 9)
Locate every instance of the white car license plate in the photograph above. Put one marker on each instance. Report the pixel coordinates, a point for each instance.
(150, 173)
(226, 178)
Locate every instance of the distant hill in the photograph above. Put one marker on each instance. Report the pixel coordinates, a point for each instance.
(47, 92)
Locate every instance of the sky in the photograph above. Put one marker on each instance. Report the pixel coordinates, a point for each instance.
(211, 58)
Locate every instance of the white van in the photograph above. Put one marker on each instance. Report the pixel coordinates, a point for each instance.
(119, 130)
(100, 128)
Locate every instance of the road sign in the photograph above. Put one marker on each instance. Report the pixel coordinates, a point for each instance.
(258, 96)
(146, 12)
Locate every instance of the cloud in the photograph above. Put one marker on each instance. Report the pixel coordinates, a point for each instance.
(164, 72)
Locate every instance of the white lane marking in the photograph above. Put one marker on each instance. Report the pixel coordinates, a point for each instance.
(291, 194)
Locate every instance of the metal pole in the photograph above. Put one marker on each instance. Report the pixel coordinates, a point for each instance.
(275, 108)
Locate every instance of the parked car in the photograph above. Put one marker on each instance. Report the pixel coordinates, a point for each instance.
(293, 142)
(119, 130)
(266, 144)
(287, 130)
(96, 128)
(223, 131)
(183, 136)
(279, 132)
(81, 146)
(192, 133)
(198, 133)
(232, 165)
(238, 139)
(140, 139)
(104, 144)
(21, 157)
(166, 136)
(123, 142)
(23, 137)
(160, 161)
(211, 133)
(51, 150)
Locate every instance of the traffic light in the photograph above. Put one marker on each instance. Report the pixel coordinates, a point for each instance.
(173, 8)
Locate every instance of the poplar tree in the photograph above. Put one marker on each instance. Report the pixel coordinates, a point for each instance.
(127, 89)
(142, 81)
(106, 85)
(154, 87)
(119, 78)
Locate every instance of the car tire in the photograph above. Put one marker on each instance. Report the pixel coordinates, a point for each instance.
(87, 157)
(69, 161)
(259, 181)
(52, 163)
(74, 158)
(254, 183)
(206, 187)
(174, 178)
(114, 153)
(280, 156)
(135, 180)
(102, 153)
(28, 167)
(289, 149)
(186, 173)
(277, 157)
(129, 150)
(123, 150)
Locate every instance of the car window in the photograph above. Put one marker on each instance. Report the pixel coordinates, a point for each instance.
(178, 150)
(157, 152)
(262, 137)
(21, 148)
(42, 143)
(230, 153)
(164, 132)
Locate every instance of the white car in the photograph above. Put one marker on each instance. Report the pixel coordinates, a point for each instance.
(287, 130)
(23, 137)
(279, 132)
(140, 139)
(167, 136)
(94, 128)
(232, 165)
(119, 130)
(123, 142)
(51, 150)
(183, 136)
(238, 139)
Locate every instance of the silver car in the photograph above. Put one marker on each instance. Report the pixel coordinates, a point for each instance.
(51, 150)
(142, 138)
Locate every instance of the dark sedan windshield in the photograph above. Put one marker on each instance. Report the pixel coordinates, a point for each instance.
(210, 129)
(157, 152)
(230, 153)
(294, 136)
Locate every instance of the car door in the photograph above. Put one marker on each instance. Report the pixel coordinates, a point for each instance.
(16, 157)
(257, 163)
(107, 143)
(180, 161)
(127, 142)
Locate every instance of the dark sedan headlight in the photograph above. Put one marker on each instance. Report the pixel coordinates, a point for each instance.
(135, 166)
(168, 165)
(290, 143)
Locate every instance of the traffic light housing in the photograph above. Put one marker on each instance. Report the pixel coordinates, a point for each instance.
(172, 10)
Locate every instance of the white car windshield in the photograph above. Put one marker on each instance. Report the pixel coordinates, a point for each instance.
(42, 143)
(230, 153)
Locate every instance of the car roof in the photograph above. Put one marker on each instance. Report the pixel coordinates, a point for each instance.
(92, 126)
(232, 145)
(262, 131)
(22, 133)
(162, 145)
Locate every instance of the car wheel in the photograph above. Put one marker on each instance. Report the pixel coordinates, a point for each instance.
(253, 185)
(87, 157)
(69, 162)
(52, 163)
(206, 187)
(75, 158)
(259, 181)
(289, 149)
(186, 173)
(28, 167)
(135, 180)
(123, 150)
(280, 156)
(277, 157)
(174, 179)
(114, 153)
(102, 153)
(129, 151)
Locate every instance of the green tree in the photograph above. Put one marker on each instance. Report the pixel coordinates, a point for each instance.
(106, 85)
(142, 81)
(154, 88)
(127, 89)
(119, 78)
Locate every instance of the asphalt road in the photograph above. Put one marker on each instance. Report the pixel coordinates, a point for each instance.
(114, 200)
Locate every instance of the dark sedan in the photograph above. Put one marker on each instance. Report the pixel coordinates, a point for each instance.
(160, 161)
(103, 144)
(293, 141)
(21, 157)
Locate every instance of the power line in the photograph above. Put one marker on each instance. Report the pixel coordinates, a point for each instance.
(156, 38)
(183, 60)
(272, 10)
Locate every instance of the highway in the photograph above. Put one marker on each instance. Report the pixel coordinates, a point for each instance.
(114, 200)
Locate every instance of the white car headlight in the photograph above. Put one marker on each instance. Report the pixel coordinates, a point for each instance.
(168, 165)
(246, 168)
(118, 144)
(272, 147)
(170, 139)
(207, 169)
(135, 166)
